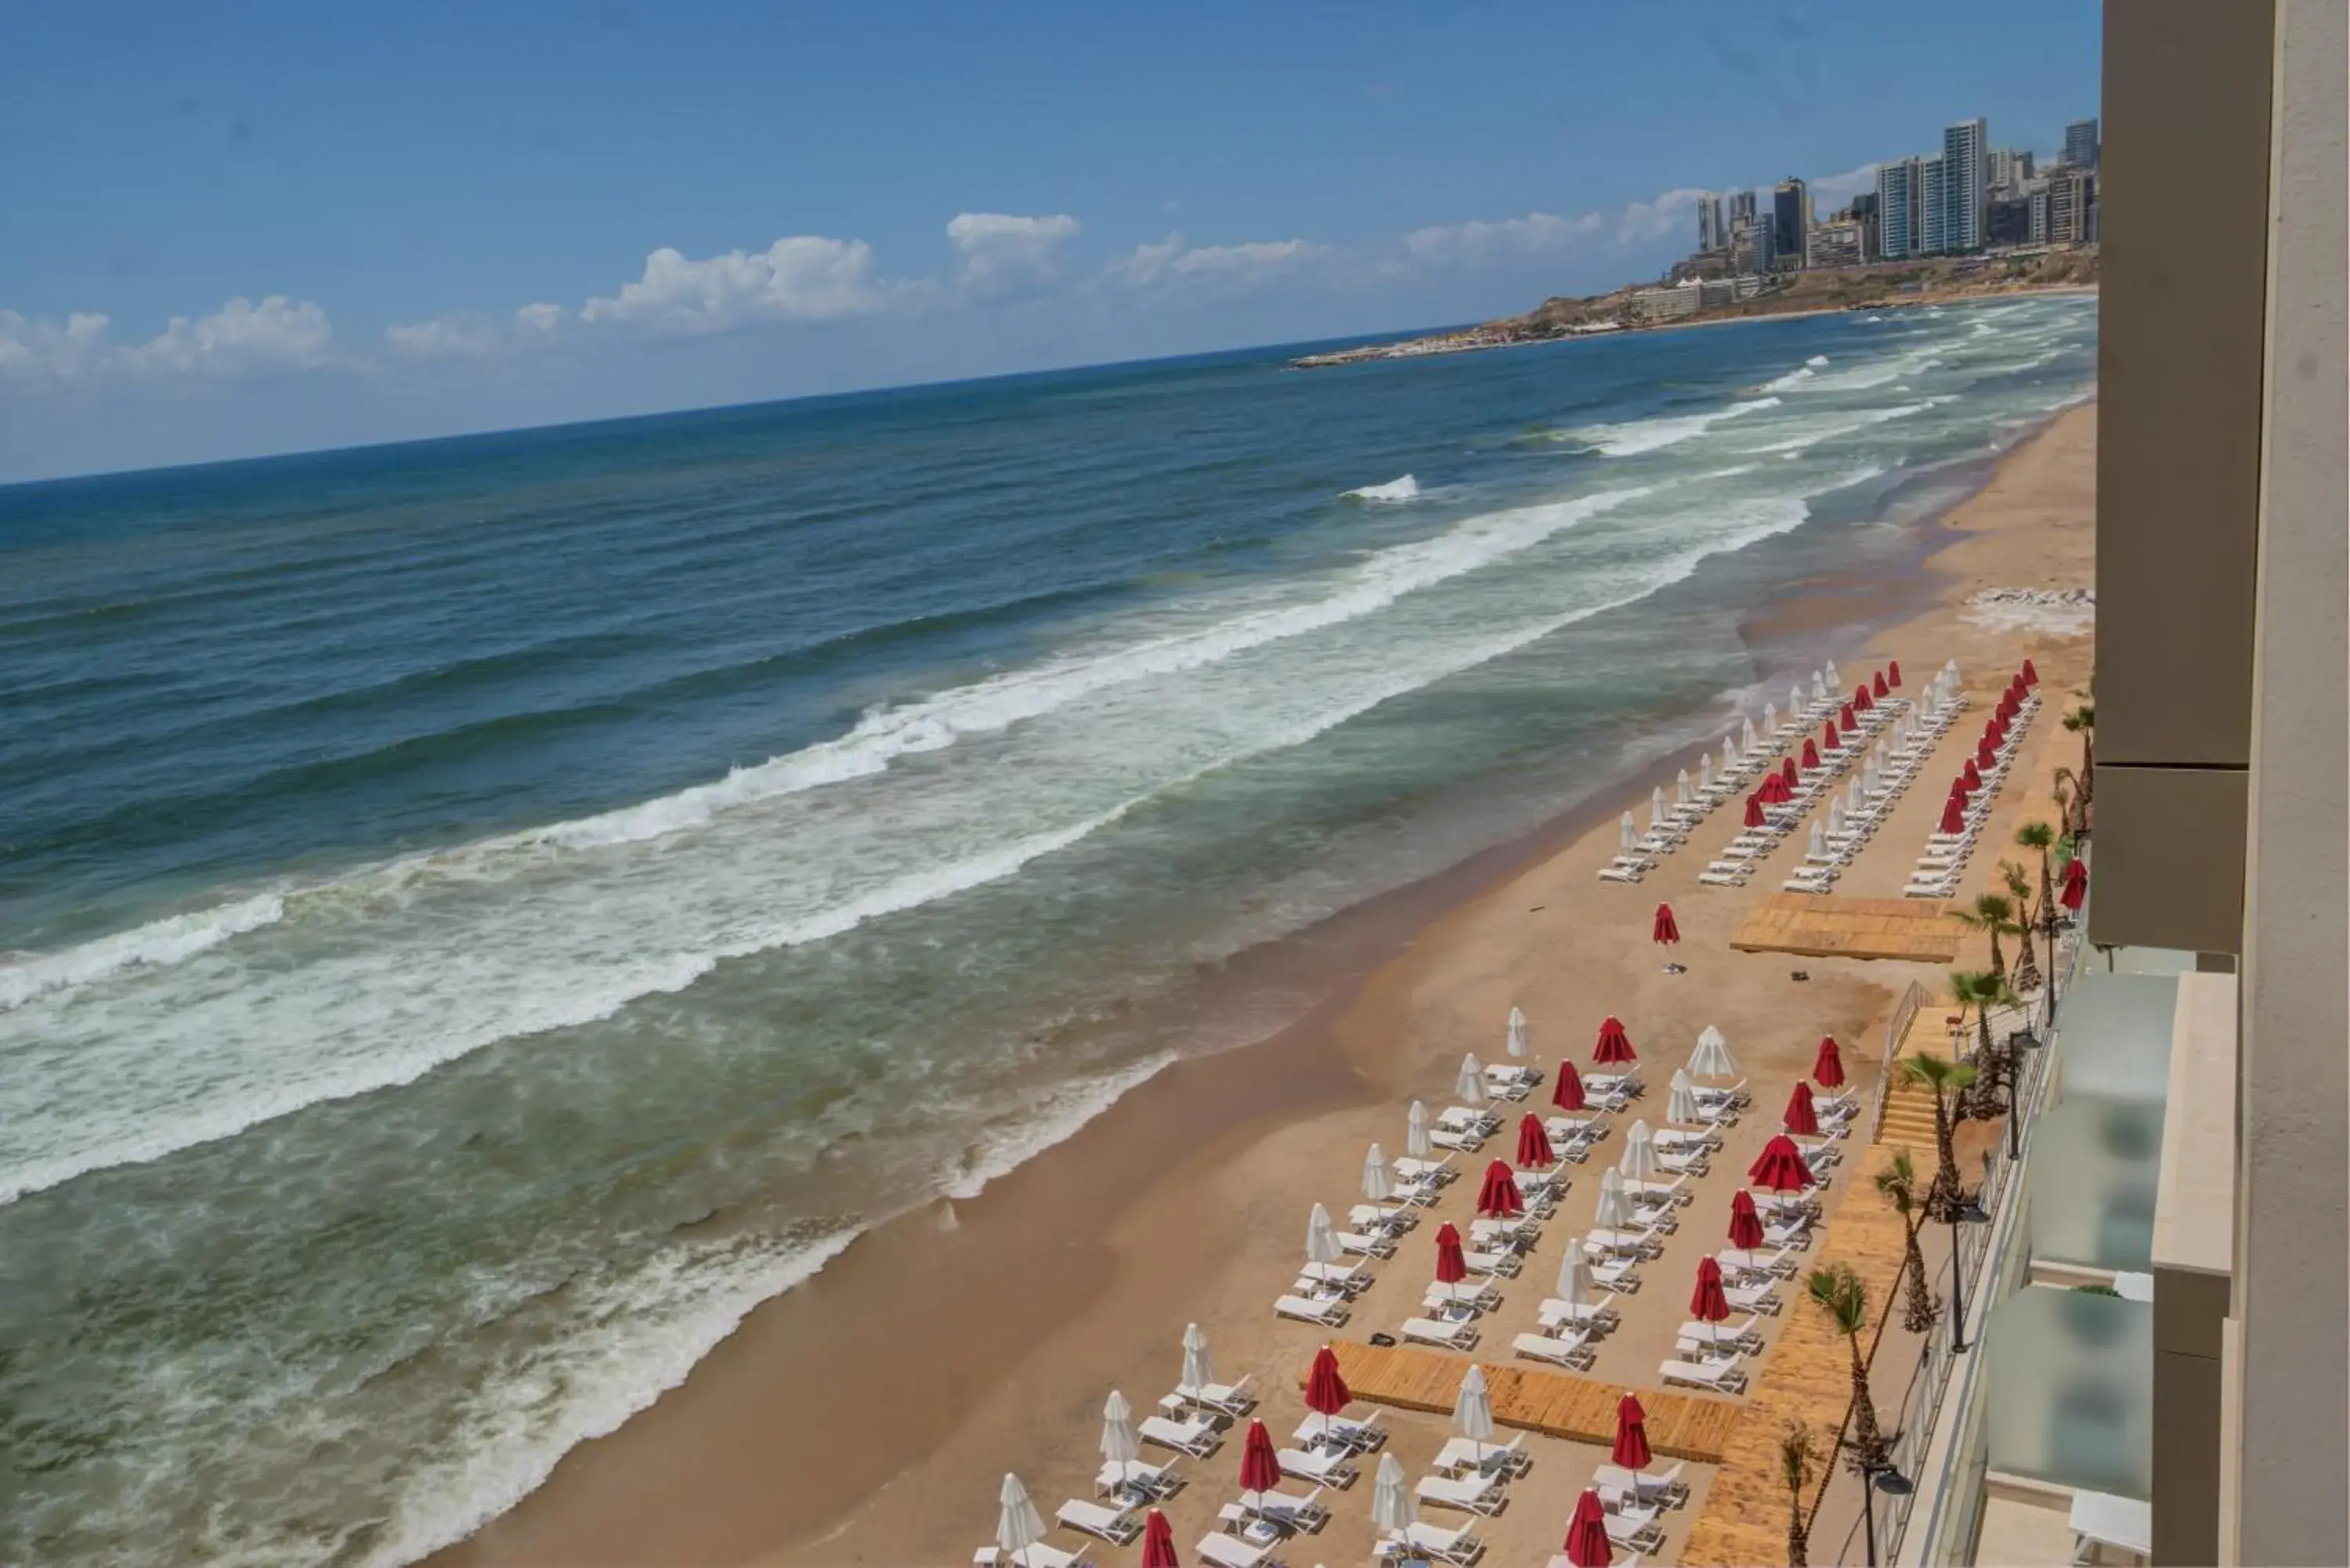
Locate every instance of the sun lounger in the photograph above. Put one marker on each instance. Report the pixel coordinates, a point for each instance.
(1314, 1465)
(1138, 1479)
(1232, 1552)
(1719, 1375)
(1374, 1246)
(1407, 1170)
(1449, 1301)
(1504, 1263)
(1116, 1525)
(1230, 1399)
(1393, 1220)
(1752, 1299)
(1735, 1094)
(1635, 1529)
(1455, 1546)
(1682, 1161)
(1718, 876)
(1466, 1143)
(1328, 1432)
(1699, 1339)
(1482, 1494)
(1040, 1555)
(1648, 1242)
(1329, 1314)
(1197, 1437)
(1451, 1335)
(1575, 1353)
(1612, 874)
(1590, 1316)
(1349, 1277)
(1659, 1194)
(1671, 1140)
(1460, 1455)
(1496, 1234)
(1612, 1082)
(1290, 1512)
(1775, 1262)
(1568, 1129)
(1661, 1489)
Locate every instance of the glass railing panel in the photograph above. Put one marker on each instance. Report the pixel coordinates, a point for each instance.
(2071, 1390)
(2095, 1168)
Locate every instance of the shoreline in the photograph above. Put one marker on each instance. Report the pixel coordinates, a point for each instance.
(1072, 1272)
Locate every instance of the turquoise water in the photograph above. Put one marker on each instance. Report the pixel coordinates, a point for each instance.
(484, 914)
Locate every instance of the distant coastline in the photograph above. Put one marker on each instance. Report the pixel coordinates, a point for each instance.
(1885, 285)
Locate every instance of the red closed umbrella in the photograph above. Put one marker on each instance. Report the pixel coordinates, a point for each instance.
(1973, 776)
(1881, 687)
(1827, 1067)
(1707, 1303)
(1745, 1224)
(1828, 736)
(1327, 1394)
(1451, 1268)
(1986, 758)
(1587, 1533)
(1614, 1047)
(2077, 884)
(1665, 932)
(1567, 1093)
(1954, 814)
(1787, 772)
(1498, 1198)
(1893, 673)
(1811, 755)
(1259, 1466)
(1780, 1167)
(2031, 676)
(1535, 1152)
(1844, 716)
(1801, 1117)
(1754, 818)
(1158, 1543)
(1631, 1450)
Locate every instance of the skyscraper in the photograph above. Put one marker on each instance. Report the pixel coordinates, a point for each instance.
(2080, 144)
(1742, 209)
(1896, 207)
(1711, 235)
(2006, 170)
(1963, 186)
(2072, 193)
(1863, 213)
(1765, 240)
(1791, 214)
(1933, 210)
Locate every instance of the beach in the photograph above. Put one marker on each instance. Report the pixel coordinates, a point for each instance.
(868, 1415)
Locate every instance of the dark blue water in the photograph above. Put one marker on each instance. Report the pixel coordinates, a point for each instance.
(446, 878)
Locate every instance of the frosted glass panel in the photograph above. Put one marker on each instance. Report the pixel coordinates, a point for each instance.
(2095, 1165)
(2072, 1389)
(2115, 1032)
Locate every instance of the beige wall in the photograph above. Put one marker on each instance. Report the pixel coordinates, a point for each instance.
(2292, 1302)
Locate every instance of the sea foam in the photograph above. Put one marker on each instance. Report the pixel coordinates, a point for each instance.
(1636, 436)
(1404, 488)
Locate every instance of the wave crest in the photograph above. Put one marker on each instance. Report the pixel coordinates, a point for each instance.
(1404, 488)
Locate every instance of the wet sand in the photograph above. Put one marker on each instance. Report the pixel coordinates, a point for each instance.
(868, 1416)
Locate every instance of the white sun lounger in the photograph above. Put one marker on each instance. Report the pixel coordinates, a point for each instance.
(1429, 1331)
(1777, 1262)
(1231, 1398)
(1752, 1299)
(1643, 1244)
(1657, 1489)
(1407, 1170)
(1116, 1525)
(1321, 1431)
(1314, 1465)
(1232, 1552)
(1293, 1513)
(1040, 1555)
(1378, 1218)
(1673, 1193)
(1466, 1143)
(1372, 1246)
(1721, 1374)
(1459, 1454)
(1573, 1129)
(1504, 1263)
(1575, 1353)
(1329, 1314)
(1482, 1494)
(1446, 1303)
(1496, 1234)
(1635, 1529)
(1594, 1316)
(1670, 1140)
(1197, 1437)
(1455, 1546)
(1151, 1481)
(1347, 1277)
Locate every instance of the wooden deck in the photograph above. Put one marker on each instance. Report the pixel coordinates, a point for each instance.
(1817, 925)
(1691, 1427)
(1806, 1377)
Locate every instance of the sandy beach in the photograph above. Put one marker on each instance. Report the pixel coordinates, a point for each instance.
(868, 1416)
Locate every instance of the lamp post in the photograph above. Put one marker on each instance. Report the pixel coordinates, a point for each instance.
(1958, 1289)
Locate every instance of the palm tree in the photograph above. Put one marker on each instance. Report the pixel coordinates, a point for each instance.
(1795, 1468)
(1946, 1080)
(2042, 837)
(2071, 802)
(1838, 1292)
(1993, 915)
(2019, 890)
(1897, 1185)
(1983, 991)
(2083, 721)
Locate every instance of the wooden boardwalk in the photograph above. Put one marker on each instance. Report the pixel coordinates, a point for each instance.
(1693, 1427)
(1806, 1377)
(1816, 925)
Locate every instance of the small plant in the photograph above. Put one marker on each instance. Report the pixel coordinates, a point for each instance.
(2097, 1291)
(1795, 1469)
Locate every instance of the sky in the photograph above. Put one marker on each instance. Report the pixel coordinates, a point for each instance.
(264, 227)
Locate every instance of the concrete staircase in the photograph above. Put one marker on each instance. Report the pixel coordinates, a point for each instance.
(1910, 1107)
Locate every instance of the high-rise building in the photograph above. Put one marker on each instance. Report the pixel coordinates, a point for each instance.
(1933, 210)
(2007, 221)
(1964, 185)
(2037, 230)
(1896, 207)
(2080, 144)
(1764, 240)
(2072, 198)
(1742, 209)
(1791, 214)
(1711, 235)
(2007, 170)
(1863, 213)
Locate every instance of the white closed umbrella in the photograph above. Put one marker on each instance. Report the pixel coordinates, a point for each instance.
(1835, 684)
(1610, 1213)
(1746, 738)
(1628, 833)
(1730, 750)
(1769, 719)
(1322, 1238)
(1471, 1086)
(1657, 807)
(1517, 1039)
(1391, 1504)
(1818, 845)
(1574, 1274)
(1472, 1411)
(1681, 1101)
(1119, 1446)
(1795, 702)
(1379, 1182)
(1018, 1525)
(1819, 687)
(1712, 1059)
(1835, 813)
(1852, 793)
(1640, 1161)
(1415, 1131)
(1199, 1365)
(1705, 772)
(1682, 794)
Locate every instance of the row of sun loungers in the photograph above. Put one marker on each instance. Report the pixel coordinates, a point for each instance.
(1944, 859)
(1831, 842)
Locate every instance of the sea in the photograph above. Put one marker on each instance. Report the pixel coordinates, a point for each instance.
(477, 917)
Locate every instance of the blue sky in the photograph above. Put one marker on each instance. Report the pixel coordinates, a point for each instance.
(290, 226)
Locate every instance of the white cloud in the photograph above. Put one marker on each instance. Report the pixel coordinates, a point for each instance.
(463, 336)
(802, 277)
(1222, 267)
(1830, 192)
(241, 335)
(999, 248)
(1675, 212)
(1536, 234)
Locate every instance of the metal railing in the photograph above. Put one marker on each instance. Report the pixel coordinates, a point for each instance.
(1896, 1027)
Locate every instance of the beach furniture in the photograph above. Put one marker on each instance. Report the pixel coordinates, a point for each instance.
(1449, 1336)
(1227, 1398)
(1659, 1195)
(1329, 1314)
(1479, 1494)
(1197, 1436)
(1751, 1299)
(1378, 1218)
(1693, 1345)
(1455, 1546)
(1378, 1245)
(1040, 1555)
(1232, 1552)
(1590, 1316)
(1317, 1466)
(1136, 1478)
(1447, 1302)
(1663, 1489)
(1634, 1528)
(1277, 1507)
(1350, 1278)
(1327, 1431)
(1575, 1353)
(1464, 1455)
(1515, 1234)
(1717, 1375)
(1505, 1263)
(1415, 1172)
(1116, 1525)
(1672, 1140)
(1778, 1262)
(1468, 1119)
(1603, 1084)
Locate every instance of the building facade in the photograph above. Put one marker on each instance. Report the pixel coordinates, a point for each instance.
(2007, 221)
(1965, 185)
(1863, 213)
(1790, 213)
(2080, 144)
(1711, 235)
(2072, 206)
(1836, 242)
(1933, 209)
(1741, 210)
(1897, 206)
